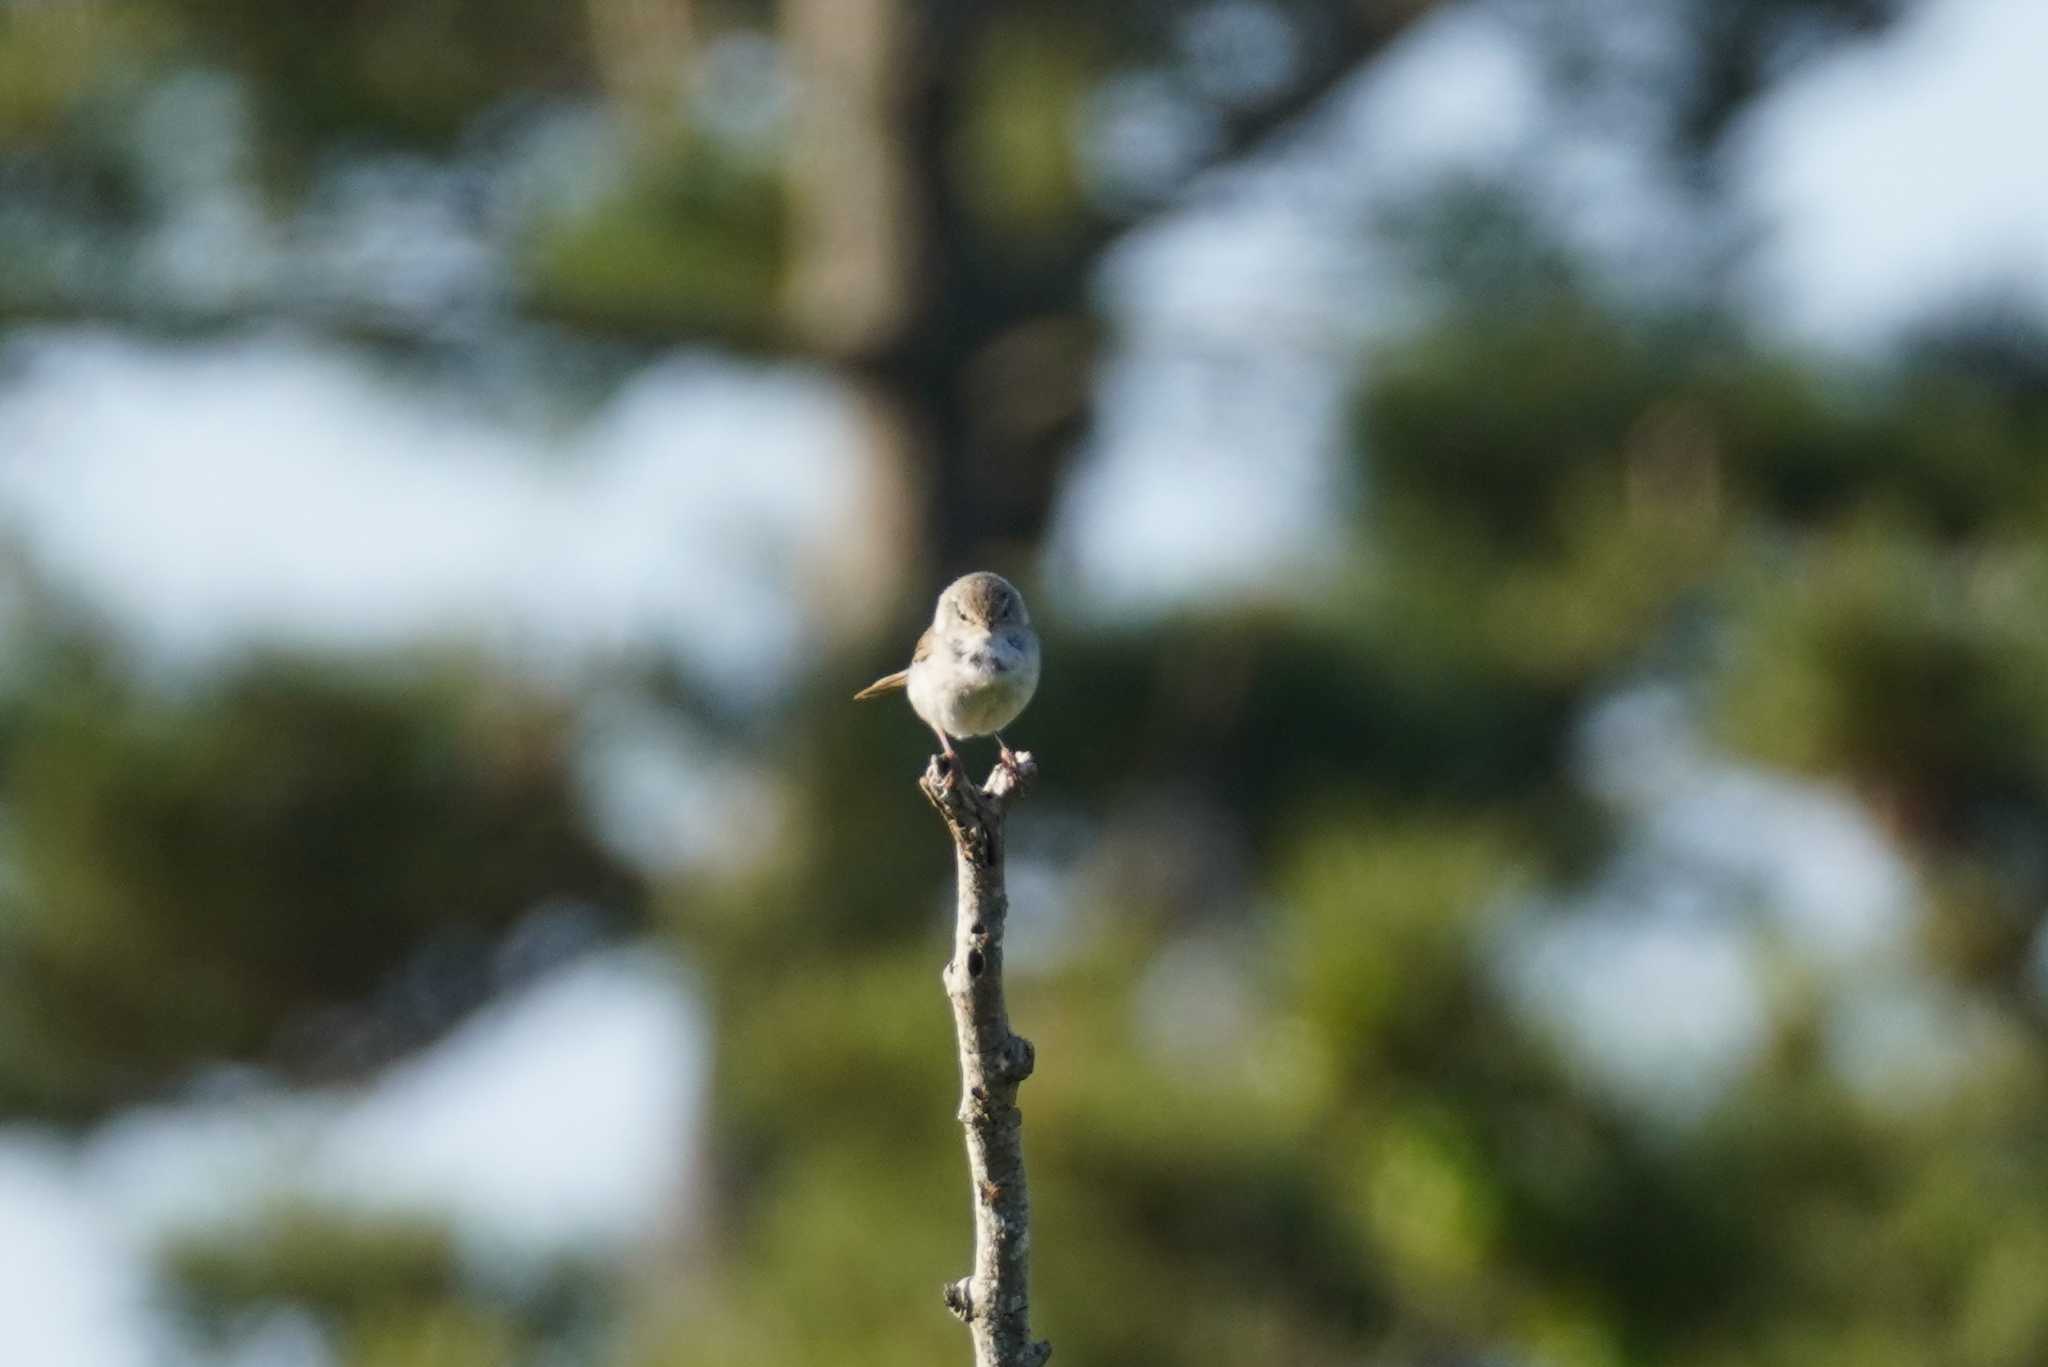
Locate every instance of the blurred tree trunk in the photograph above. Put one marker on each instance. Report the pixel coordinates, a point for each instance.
(848, 289)
(889, 277)
(642, 50)
(979, 365)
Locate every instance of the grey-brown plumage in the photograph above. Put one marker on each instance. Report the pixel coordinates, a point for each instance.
(975, 667)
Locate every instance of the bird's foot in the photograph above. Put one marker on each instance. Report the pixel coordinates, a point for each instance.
(1014, 768)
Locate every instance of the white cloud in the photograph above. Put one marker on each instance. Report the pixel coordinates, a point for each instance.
(71, 1292)
(1901, 174)
(1653, 976)
(1659, 1002)
(1460, 92)
(281, 490)
(562, 1121)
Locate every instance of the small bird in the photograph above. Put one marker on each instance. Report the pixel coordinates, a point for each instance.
(976, 665)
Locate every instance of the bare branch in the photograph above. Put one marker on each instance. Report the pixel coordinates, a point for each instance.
(1339, 49)
(994, 1300)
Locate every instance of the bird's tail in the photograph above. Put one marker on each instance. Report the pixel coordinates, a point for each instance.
(888, 683)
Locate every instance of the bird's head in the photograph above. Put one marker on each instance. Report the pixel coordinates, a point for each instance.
(983, 600)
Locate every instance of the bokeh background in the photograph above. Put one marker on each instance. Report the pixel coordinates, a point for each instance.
(1539, 519)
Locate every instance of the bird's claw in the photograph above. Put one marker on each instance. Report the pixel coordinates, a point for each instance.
(1020, 767)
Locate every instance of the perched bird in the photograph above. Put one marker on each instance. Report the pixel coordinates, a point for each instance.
(976, 665)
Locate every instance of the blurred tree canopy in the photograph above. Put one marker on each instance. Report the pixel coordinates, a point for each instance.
(193, 877)
(1290, 1107)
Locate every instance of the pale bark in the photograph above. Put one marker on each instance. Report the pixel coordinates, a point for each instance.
(994, 1300)
(641, 50)
(850, 283)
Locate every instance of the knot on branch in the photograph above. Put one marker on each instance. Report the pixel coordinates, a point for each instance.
(959, 1298)
(1015, 1060)
(975, 1108)
(1036, 1354)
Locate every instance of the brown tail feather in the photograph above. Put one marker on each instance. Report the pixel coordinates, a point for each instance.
(888, 683)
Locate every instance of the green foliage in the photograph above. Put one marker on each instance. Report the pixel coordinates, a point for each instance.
(323, 1260)
(692, 238)
(1904, 663)
(195, 873)
(55, 57)
(388, 1291)
(386, 70)
(1017, 150)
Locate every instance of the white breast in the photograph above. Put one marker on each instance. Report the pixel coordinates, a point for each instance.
(972, 686)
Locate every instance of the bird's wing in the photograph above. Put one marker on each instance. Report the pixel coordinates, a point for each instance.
(889, 683)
